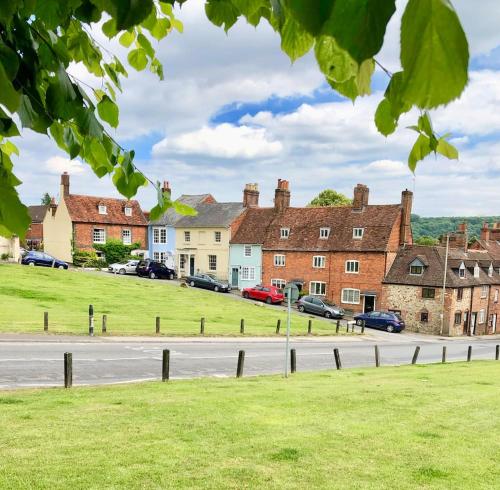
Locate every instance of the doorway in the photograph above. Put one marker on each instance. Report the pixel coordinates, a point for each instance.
(369, 304)
(472, 328)
(494, 323)
(234, 277)
(191, 265)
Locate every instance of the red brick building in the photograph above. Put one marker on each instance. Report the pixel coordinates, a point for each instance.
(34, 236)
(342, 253)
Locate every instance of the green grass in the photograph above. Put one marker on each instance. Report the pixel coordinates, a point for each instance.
(434, 426)
(131, 305)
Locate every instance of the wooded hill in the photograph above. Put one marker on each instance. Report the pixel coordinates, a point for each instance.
(434, 227)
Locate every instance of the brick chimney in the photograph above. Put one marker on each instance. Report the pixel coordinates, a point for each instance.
(495, 232)
(53, 206)
(251, 196)
(360, 199)
(65, 184)
(166, 187)
(485, 231)
(458, 239)
(282, 196)
(405, 236)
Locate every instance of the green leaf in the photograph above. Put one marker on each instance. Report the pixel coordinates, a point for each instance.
(7, 11)
(446, 149)
(144, 43)
(425, 125)
(9, 97)
(420, 150)
(127, 185)
(108, 111)
(295, 41)
(333, 61)
(109, 28)
(383, 118)
(434, 53)
(157, 68)
(184, 209)
(71, 142)
(57, 132)
(359, 26)
(129, 13)
(7, 126)
(160, 29)
(311, 17)
(394, 94)
(9, 60)
(358, 85)
(88, 123)
(127, 38)
(221, 13)
(60, 95)
(138, 59)
(177, 24)
(30, 118)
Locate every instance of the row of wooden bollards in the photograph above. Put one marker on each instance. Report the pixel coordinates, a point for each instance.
(202, 324)
(165, 369)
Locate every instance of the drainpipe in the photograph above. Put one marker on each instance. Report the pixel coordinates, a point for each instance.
(444, 285)
(470, 311)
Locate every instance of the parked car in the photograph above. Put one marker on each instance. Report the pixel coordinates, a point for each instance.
(320, 306)
(34, 257)
(208, 281)
(385, 320)
(269, 294)
(125, 267)
(154, 270)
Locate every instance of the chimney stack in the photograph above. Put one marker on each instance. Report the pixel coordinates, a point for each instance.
(485, 231)
(282, 196)
(166, 187)
(53, 206)
(458, 239)
(360, 200)
(405, 235)
(251, 196)
(65, 185)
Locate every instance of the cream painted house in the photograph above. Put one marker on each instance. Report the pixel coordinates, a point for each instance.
(202, 241)
(58, 230)
(10, 247)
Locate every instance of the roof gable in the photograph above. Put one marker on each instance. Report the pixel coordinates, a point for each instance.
(212, 215)
(170, 217)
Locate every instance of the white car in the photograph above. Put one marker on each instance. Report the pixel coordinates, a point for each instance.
(127, 267)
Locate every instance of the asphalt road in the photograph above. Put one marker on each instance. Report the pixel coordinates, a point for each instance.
(37, 361)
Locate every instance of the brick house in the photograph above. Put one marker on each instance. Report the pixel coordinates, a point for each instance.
(34, 235)
(341, 253)
(489, 240)
(78, 222)
(414, 288)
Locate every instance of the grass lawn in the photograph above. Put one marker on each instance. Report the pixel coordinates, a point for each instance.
(434, 426)
(131, 305)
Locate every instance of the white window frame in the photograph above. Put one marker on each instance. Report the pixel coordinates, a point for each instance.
(128, 211)
(187, 237)
(278, 283)
(352, 266)
(421, 267)
(351, 301)
(212, 262)
(490, 270)
(279, 260)
(183, 258)
(476, 271)
(103, 209)
(315, 285)
(247, 248)
(319, 261)
(357, 233)
(126, 231)
(484, 291)
(247, 273)
(495, 298)
(461, 271)
(284, 233)
(103, 234)
(159, 235)
(481, 317)
(324, 233)
(218, 234)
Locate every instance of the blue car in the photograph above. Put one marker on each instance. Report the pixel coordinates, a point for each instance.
(383, 320)
(41, 258)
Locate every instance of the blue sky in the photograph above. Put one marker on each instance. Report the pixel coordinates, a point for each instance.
(233, 109)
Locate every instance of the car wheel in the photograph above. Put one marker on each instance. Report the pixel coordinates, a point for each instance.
(301, 308)
(389, 328)
(216, 289)
(359, 322)
(328, 314)
(269, 300)
(61, 267)
(122, 271)
(245, 295)
(32, 264)
(191, 284)
(152, 275)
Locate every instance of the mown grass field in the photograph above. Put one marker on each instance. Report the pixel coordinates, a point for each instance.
(131, 305)
(434, 426)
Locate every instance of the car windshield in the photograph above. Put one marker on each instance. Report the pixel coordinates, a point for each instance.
(398, 316)
(211, 276)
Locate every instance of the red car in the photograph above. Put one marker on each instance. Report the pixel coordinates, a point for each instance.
(269, 294)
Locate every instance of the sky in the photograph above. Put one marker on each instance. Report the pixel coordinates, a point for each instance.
(233, 110)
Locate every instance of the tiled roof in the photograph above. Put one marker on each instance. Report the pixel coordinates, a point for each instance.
(263, 226)
(434, 270)
(170, 217)
(491, 246)
(217, 214)
(85, 209)
(37, 213)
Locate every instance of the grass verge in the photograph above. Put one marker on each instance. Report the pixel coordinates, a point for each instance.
(433, 426)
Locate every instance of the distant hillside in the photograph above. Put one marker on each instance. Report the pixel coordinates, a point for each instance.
(434, 227)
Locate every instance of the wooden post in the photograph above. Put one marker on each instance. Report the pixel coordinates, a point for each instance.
(336, 355)
(278, 325)
(469, 353)
(68, 370)
(91, 320)
(415, 355)
(309, 327)
(362, 326)
(443, 357)
(242, 326)
(241, 362)
(104, 323)
(497, 352)
(293, 361)
(45, 321)
(157, 324)
(338, 326)
(165, 365)
(202, 326)
(377, 357)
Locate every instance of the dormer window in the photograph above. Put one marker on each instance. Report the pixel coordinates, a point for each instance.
(102, 209)
(324, 233)
(416, 268)
(357, 233)
(284, 233)
(461, 271)
(476, 270)
(128, 211)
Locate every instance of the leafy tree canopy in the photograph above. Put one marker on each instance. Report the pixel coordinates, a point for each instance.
(426, 240)
(329, 197)
(46, 199)
(40, 39)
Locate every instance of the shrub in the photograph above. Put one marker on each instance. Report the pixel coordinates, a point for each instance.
(5, 256)
(84, 258)
(116, 251)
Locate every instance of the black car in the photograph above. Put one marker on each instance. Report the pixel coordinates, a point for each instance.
(154, 270)
(34, 257)
(319, 306)
(385, 320)
(207, 281)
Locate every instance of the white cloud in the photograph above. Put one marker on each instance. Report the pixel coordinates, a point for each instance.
(58, 165)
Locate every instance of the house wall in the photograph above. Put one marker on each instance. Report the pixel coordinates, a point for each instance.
(58, 233)
(494, 309)
(10, 246)
(34, 235)
(237, 259)
(201, 245)
(168, 247)
(84, 239)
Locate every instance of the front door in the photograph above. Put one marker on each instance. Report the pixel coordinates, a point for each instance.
(234, 277)
(369, 304)
(191, 265)
(473, 318)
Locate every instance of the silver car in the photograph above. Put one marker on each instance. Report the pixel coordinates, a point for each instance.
(126, 267)
(320, 306)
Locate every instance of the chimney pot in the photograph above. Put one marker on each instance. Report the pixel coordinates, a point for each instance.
(65, 184)
(282, 195)
(360, 200)
(251, 196)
